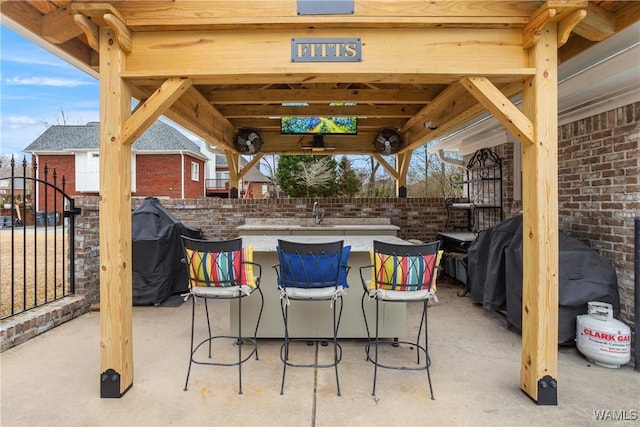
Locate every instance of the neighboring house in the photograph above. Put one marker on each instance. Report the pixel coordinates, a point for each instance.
(13, 197)
(164, 162)
(254, 185)
(9, 189)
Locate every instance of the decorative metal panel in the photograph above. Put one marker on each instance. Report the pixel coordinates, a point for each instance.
(325, 7)
(326, 50)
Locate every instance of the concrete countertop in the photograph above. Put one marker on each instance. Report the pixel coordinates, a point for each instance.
(358, 243)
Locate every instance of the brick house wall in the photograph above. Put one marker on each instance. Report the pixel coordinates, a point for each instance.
(63, 166)
(599, 188)
(193, 188)
(160, 176)
(157, 175)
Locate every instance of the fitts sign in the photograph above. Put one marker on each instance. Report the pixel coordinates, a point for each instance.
(326, 50)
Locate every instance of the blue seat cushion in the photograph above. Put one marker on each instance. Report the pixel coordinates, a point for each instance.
(312, 271)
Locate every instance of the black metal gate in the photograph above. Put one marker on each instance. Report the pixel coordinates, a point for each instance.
(37, 238)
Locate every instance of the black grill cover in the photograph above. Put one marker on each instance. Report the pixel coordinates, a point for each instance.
(486, 263)
(158, 271)
(584, 275)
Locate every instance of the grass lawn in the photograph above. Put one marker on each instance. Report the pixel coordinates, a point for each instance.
(34, 264)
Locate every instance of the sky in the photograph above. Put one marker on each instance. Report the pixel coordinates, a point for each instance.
(36, 88)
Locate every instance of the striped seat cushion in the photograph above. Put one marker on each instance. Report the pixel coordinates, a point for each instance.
(402, 273)
(221, 269)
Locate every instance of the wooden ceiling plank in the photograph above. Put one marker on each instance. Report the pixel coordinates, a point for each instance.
(151, 109)
(501, 107)
(259, 111)
(627, 15)
(43, 6)
(278, 96)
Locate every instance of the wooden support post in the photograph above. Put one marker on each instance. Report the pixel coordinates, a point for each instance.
(116, 344)
(402, 168)
(233, 161)
(539, 365)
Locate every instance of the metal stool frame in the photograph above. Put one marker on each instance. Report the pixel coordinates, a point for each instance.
(408, 250)
(316, 251)
(215, 246)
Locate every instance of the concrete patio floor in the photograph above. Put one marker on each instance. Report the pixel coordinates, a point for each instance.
(53, 379)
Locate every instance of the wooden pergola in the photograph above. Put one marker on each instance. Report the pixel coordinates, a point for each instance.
(423, 68)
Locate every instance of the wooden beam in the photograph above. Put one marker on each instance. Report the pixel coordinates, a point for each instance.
(531, 32)
(150, 110)
(568, 24)
(627, 15)
(90, 29)
(28, 17)
(399, 55)
(392, 171)
(539, 364)
(123, 34)
(598, 25)
(234, 169)
(96, 10)
(116, 338)
(251, 164)
(58, 26)
(403, 161)
(278, 13)
(194, 113)
(501, 107)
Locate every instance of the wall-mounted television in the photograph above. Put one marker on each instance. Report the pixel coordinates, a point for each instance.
(318, 125)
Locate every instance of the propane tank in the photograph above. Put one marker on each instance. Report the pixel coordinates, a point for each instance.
(603, 340)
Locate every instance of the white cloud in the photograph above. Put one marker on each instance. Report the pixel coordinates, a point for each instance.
(32, 60)
(46, 81)
(15, 122)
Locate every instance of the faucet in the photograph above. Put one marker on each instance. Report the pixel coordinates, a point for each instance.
(318, 213)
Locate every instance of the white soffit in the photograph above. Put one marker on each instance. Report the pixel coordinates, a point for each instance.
(602, 78)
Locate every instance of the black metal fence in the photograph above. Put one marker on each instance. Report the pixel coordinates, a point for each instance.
(37, 238)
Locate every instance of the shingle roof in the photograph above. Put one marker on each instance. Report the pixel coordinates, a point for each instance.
(159, 137)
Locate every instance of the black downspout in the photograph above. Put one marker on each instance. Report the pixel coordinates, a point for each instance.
(636, 300)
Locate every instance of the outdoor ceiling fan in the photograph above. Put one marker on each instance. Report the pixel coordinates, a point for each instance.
(248, 141)
(387, 141)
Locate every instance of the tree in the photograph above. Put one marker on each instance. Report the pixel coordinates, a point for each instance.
(349, 184)
(307, 176)
(430, 177)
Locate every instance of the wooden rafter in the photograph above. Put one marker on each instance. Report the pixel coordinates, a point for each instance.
(151, 109)
(501, 107)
